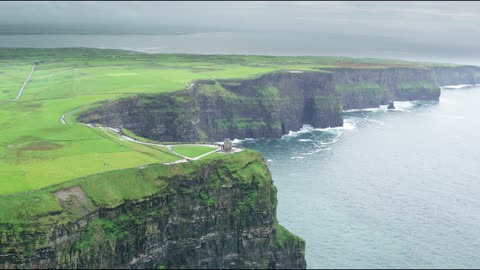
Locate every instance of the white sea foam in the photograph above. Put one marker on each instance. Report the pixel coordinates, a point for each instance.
(349, 124)
(364, 110)
(296, 157)
(304, 140)
(269, 160)
(330, 142)
(458, 86)
(400, 106)
(236, 141)
(304, 129)
(318, 150)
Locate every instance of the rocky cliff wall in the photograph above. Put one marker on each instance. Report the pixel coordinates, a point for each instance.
(370, 87)
(273, 104)
(268, 106)
(457, 75)
(218, 213)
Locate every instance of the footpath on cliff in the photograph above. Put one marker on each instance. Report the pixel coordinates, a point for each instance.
(22, 88)
(217, 147)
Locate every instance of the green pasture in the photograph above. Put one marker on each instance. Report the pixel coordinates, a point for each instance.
(113, 188)
(192, 151)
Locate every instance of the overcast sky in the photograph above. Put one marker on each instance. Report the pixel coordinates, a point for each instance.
(453, 26)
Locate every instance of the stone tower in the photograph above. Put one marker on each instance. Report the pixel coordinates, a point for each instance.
(227, 145)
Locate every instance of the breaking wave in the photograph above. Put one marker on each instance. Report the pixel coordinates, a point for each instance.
(348, 124)
(458, 86)
(363, 110)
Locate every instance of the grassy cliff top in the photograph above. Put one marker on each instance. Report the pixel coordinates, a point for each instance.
(54, 205)
(38, 150)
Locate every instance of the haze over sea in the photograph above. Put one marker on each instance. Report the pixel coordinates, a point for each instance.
(259, 43)
(391, 189)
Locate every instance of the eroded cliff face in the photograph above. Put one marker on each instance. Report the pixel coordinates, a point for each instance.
(268, 106)
(370, 87)
(273, 104)
(457, 75)
(218, 213)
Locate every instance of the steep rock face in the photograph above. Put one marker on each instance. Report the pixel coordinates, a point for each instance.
(219, 213)
(371, 87)
(273, 104)
(457, 75)
(268, 106)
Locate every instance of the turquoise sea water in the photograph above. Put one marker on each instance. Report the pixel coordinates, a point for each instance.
(395, 189)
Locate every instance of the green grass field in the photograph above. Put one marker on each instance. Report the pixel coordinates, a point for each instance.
(192, 151)
(112, 188)
(37, 150)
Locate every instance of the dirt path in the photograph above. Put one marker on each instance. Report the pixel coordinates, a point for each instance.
(190, 86)
(62, 118)
(169, 147)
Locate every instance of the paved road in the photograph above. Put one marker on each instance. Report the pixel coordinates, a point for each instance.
(25, 83)
(20, 92)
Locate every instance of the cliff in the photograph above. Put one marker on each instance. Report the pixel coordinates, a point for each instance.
(275, 103)
(210, 110)
(456, 75)
(218, 213)
(371, 87)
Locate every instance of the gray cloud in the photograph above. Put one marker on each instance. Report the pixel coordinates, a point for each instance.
(406, 16)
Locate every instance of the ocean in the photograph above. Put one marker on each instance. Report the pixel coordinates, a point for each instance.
(389, 189)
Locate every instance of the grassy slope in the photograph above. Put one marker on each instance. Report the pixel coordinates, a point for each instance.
(36, 150)
(113, 188)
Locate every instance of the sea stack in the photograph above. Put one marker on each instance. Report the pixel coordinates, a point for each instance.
(391, 106)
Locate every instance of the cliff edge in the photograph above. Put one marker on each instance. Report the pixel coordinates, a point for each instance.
(269, 106)
(218, 213)
(272, 104)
